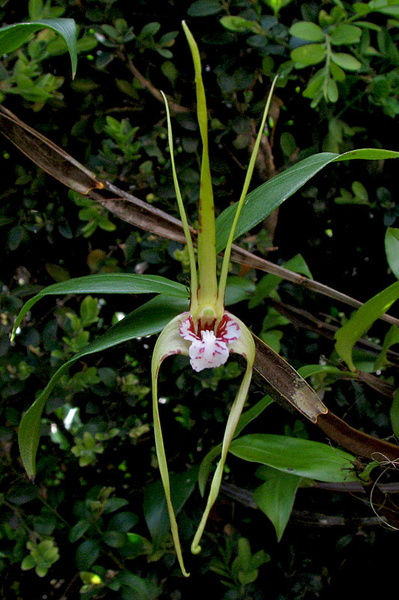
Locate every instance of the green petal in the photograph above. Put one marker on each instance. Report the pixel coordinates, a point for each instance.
(168, 343)
(246, 347)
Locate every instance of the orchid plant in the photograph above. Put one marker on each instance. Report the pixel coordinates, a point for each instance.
(206, 332)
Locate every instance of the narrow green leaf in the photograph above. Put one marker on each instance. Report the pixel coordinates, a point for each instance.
(347, 336)
(392, 249)
(296, 456)
(276, 498)
(146, 320)
(269, 282)
(312, 370)
(14, 36)
(238, 289)
(263, 200)
(108, 283)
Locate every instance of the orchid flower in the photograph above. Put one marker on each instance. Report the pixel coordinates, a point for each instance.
(207, 333)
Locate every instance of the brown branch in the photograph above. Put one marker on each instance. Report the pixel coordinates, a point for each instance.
(310, 518)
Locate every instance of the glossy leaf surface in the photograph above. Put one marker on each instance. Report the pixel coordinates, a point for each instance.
(347, 336)
(276, 497)
(13, 37)
(268, 196)
(109, 283)
(296, 456)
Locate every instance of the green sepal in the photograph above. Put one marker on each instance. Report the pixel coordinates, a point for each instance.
(246, 347)
(168, 343)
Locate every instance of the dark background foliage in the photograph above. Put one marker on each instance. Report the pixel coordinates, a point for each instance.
(84, 517)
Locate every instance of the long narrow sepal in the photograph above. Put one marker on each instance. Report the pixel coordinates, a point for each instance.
(246, 347)
(182, 211)
(226, 257)
(168, 343)
(207, 288)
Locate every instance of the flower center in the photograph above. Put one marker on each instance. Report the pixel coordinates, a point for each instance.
(208, 349)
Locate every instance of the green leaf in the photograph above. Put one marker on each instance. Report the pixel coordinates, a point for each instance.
(238, 24)
(346, 61)
(337, 72)
(347, 336)
(14, 36)
(296, 456)
(86, 554)
(269, 282)
(108, 283)
(267, 197)
(204, 8)
(392, 249)
(310, 54)
(28, 563)
(391, 338)
(346, 34)
(386, 7)
(307, 31)
(146, 320)
(315, 86)
(115, 539)
(79, 530)
(331, 90)
(362, 8)
(276, 497)
(123, 521)
(238, 289)
(312, 370)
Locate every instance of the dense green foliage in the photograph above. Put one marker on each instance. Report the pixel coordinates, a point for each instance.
(97, 498)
